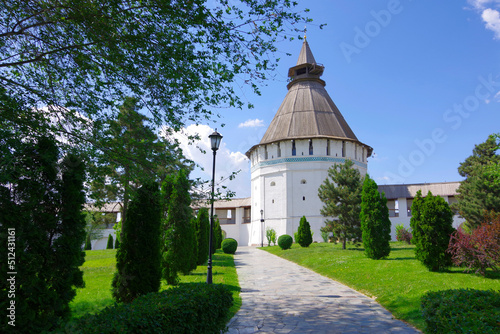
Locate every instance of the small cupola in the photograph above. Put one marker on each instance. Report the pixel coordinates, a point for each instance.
(306, 67)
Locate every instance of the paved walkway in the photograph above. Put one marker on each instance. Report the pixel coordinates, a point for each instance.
(282, 297)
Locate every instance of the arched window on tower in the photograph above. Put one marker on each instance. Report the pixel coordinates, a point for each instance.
(311, 150)
(279, 150)
(265, 152)
(343, 149)
(328, 147)
(294, 149)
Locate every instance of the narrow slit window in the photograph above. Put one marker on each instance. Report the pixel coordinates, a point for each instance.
(279, 150)
(328, 147)
(311, 150)
(294, 149)
(343, 149)
(265, 152)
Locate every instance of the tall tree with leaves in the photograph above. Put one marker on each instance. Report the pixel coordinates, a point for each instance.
(138, 259)
(479, 193)
(341, 195)
(178, 251)
(44, 210)
(432, 225)
(134, 154)
(375, 222)
(181, 57)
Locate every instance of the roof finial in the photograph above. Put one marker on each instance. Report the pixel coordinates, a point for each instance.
(305, 32)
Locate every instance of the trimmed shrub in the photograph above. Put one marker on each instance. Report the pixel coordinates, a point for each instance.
(304, 235)
(402, 234)
(461, 311)
(117, 243)
(375, 223)
(202, 235)
(110, 242)
(188, 308)
(285, 241)
(138, 271)
(229, 246)
(431, 223)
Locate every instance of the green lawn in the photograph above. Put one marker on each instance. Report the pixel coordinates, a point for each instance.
(99, 268)
(397, 282)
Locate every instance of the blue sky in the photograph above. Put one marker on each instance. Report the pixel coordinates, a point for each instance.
(418, 80)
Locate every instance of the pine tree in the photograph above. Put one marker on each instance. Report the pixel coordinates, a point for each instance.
(202, 235)
(341, 195)
(375, 222)
(138, 258)
(432, 227)
(110, 242)
(304, 236)
(177, 250)
(479, 193)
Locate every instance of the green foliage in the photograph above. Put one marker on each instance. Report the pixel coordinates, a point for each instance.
(431, 223)
(375, 222)
(480, 191)
(41, 201)
(138, 258)
(202, 235)
(304, 236)
(189, 308)
(324, 236)
(229, 246)
(285, 241)
(218, 234)
(271, 236)
(462, 311)
(178, 67)
(88, 243)
(341, 195)
(117, 243)
(110, 242)
(178, 254)
(95, 224)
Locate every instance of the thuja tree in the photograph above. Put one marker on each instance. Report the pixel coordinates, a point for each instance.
(110, 242)
(45, 211)
(138, 269)
(375, 223)
(217, 234)
(304, 236)
(341, 195)
(202, 235)
(178, 248)
(431, 223)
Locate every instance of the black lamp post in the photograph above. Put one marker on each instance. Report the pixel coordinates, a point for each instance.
(262, 228)
(215, 139)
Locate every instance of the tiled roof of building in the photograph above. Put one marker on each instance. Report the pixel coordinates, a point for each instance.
(395, 191)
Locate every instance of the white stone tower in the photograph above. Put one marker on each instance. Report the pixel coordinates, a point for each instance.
(306, 137)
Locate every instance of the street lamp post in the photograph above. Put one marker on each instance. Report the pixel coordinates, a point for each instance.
(215, 139)
(262, 228)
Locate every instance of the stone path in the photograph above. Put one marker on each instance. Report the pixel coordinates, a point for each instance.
(282, 297)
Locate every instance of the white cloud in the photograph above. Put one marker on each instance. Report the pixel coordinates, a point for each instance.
(227, 161)
(490, 14)
(492, 19)
(251, 123)
(497, 96)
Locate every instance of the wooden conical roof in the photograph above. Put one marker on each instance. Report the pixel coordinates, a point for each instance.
(307, 110)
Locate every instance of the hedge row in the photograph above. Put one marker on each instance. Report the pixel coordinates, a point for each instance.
(462, 311)
(188, 308)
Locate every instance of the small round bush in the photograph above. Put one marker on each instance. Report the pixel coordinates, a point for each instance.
(229, 246)
(285, 241)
